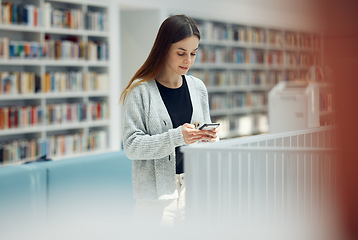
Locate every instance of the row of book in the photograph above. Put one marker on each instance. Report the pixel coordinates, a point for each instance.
(218, 101)
(75, 81)
(73, 18)
(71, 81)
(19, 82)
(241, 78)
(65, 18)
(294, 40)
(224, 32)
(12, 117)
(96, 21)
(301, 59)
(220, 32)
(20, 116)
(76, 112)
(64, 81)
(222, 55)
(22, 14)
(54, 49)
(275, 38)
(261, 78)
(326, 102)
(302, 40)
(48, 16)
(239, 125)
(294, 75)
(237, 78)
(19, 150)
(256, 35)
(53, 146)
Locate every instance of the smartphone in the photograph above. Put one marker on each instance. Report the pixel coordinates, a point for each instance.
(209, 126)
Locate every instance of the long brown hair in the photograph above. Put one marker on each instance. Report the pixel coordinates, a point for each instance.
(172, 30)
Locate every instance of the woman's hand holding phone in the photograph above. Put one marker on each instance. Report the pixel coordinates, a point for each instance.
(192, 135)
(209, 131)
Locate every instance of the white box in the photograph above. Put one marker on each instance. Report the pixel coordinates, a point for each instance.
(293, 106)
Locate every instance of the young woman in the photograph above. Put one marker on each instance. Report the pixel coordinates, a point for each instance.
(161, 107)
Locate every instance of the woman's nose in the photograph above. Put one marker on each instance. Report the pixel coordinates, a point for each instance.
(187, 59)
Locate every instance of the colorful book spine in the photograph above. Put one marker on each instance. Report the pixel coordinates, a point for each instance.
(254, 56)
(274, 58)
(237, 55)
(60, 145)
(65, 113)
(30, 82)
(96, 21)
(238, 78)
(4, 47)
(19, 83)
(291, 39)
(12, 117)
(256, 35)
(76, 112)
(237, 100)
(97, 110)
(326, 102)
(66, 18)
(75, 81)
(21, 14)
(20, 150)
(259, 78)
(54, 49)
(240, 34)
(291, 59)
(275, 38)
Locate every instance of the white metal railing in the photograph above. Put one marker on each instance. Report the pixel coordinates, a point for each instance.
(262, 179)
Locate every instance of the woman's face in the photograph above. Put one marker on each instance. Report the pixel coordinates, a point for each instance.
(181, 55)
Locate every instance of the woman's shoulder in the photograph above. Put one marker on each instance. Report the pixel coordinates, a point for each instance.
(140, 89)
(142, 82)
(198, 82)
(140, 85)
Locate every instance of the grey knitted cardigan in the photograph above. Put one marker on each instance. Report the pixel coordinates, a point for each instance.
(150, 140)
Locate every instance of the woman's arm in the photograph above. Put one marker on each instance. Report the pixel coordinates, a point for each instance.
(138, 143)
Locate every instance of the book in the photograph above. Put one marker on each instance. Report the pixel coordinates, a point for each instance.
(47, 19)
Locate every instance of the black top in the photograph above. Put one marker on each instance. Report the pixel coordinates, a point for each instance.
(178, 104)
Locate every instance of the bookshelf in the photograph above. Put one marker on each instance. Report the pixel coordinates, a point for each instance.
(240, 63)
(55, 67)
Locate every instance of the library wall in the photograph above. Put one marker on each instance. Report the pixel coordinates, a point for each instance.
(275, 13)
(136, 39)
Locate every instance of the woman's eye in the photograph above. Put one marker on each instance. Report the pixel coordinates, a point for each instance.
(180, 54)
(193, 53)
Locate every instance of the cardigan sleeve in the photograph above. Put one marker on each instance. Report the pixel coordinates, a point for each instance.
(138, 143)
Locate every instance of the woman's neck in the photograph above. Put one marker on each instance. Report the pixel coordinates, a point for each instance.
(170, 80)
